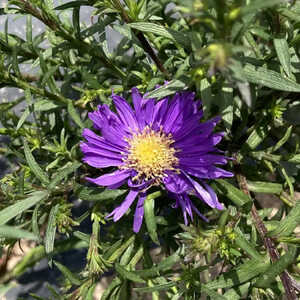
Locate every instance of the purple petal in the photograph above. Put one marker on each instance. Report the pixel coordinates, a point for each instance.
(99, 141)
(125, 112)
(139, 185)
(202, 193)
(175, 183)
(207, 172)
(136, 99)
(96, 150)
(139, 213)
(116, 177)
(119, 211)
(98, 161)
(213, 196)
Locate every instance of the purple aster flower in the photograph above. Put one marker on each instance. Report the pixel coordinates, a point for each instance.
(156, 143)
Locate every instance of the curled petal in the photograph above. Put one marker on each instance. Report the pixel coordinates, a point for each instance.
(119, 211)
(111, 179)
(139, 213)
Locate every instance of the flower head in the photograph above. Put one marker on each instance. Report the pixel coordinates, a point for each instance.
(156, 143)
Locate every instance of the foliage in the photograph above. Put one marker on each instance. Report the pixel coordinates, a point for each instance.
(241, 58)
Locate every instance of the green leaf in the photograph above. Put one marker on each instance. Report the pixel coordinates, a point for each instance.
(72, 277)
(12, 211)
(36, 169)
(115, 252)
(257, 136)
(235, 195)
(244, 244)
(227, 106)
(289, 223)
(214, 295)
(270, 78)
(159, 287)
(51, 230)
(38, 253)
(239, 275)
(150, 219)
(23, 118)
(97, 194)
(130, 275)
(264, 187)
(73, 4)
(167, 89)
(73, 113)
(45, 105)
(63, 174)
(116, 282)
(34, 222)
(206, 95)
(165, 265)
(283, 140)
(12, 232)
(277, 267)
(160, 30)
(282, 51)
(254, 6)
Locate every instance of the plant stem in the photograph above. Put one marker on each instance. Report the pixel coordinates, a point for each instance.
(268, 242)
(145, 44)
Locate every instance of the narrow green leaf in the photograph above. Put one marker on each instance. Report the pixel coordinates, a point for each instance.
(160, 30)
(130, 275)
(36, 169)
(117, 251)
(73, 4)
(237, 292)
(38, 253)
(270, 78)
(254, 6)
(163, 266)
(227, 106)
(167, 89)
(45, 105)
(82, 236)
(72, 277)
(248, 247)
(73, 113)
(288, 181)
(206, 94)
(97, 194)
(257, 136)
(51, 230)
(289, 223)
(23, 118)
(283, 54)
(264, 187)
(150, 219)
(239, 275)
(116, 282)
(63, 174)
(283, 140)
(34, 222)
(295, 159)
(10, 212)
(211, 293)
(12, 232)
(160, 287)
(269, 276)
(235, 195)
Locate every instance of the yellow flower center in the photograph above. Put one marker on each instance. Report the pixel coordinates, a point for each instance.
(150, 153)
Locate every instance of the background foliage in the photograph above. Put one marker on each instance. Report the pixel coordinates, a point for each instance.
(242, 59)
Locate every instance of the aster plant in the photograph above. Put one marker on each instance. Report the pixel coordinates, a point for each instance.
(157, 143)
(149, 149)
